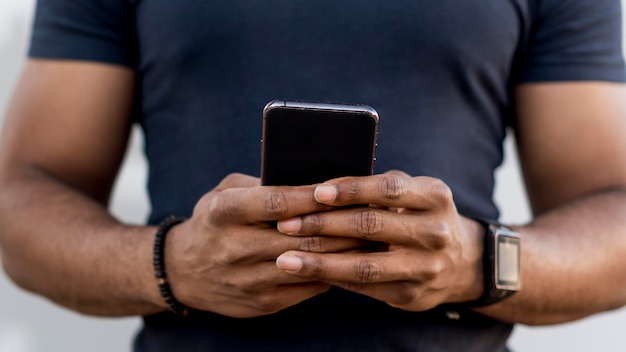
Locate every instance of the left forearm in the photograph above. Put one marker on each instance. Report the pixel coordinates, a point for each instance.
(573, 262)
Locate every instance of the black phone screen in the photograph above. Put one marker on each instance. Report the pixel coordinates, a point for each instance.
(306, 146)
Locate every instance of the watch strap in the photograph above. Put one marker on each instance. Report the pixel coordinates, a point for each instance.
(492, 293)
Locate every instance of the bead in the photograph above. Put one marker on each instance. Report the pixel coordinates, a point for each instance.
(158, 263)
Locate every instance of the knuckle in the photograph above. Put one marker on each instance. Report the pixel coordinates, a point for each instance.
(353, 191)
(230, 253)
(440, 237)
(315, 223)
(369, 223)
(204, 204)
(312, 244)
(275, 203)
(432, 270)
(441, 193)
(402, 295)
(314, 267)
(230, 178)
(393, 187)
(224, 258)
(235, 180)
(368, 271)
(266, 304)
(247, 284)
(222, 209)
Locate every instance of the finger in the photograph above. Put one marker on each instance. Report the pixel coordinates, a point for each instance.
(323, 244)
(265, 275)
(416, 229)
(396, 173)
(267, 244)
(388, 190)
(262, 204)
(379, 275)
(356, 269)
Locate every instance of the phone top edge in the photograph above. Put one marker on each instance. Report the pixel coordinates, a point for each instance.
(321, 106)
(273, 104)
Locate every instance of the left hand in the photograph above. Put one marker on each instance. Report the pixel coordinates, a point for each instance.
(433, 255)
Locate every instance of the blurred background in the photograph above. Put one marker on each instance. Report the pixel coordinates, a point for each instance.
(29, 323)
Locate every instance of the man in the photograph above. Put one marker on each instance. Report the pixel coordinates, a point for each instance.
(447, 79)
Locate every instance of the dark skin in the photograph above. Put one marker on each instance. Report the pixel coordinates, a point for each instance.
(59, 240)
(417, 218)
(227, 250)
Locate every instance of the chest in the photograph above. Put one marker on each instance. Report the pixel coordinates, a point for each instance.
(347, 33)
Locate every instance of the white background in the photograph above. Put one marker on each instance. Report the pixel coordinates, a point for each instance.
(29, 323)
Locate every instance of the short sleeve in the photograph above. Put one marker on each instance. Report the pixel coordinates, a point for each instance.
(575, 40)
(91, 30)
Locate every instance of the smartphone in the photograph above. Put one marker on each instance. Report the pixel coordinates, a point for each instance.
(307, 143)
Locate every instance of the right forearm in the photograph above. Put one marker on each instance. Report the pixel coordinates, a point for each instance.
(61, 244)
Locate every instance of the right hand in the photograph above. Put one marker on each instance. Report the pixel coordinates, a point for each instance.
(223, 258)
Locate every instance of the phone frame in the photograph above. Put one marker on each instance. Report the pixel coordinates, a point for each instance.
(323, 107)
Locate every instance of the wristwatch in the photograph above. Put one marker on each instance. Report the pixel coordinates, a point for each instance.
(501, 264)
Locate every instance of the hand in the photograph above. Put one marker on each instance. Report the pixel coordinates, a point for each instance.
(433, 254)
(222, 259)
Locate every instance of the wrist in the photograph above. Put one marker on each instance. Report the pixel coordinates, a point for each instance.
(160, 264)
(472, 278)
(174, 257)
(501, 264)
(145, 291)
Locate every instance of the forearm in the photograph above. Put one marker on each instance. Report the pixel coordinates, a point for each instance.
(63, 245)
(573, 261)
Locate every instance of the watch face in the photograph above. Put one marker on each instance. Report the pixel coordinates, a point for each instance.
(508, 259)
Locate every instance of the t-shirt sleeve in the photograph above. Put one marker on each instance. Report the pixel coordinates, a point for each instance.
(575, 40)
(90, 30)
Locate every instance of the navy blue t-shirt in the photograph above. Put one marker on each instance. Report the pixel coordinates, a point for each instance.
(439, 72)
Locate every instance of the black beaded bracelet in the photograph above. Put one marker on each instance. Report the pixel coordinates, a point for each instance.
(159, 266)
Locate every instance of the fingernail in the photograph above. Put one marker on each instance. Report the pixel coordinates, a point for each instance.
(289, 262)
(325, 193)
(290, 226)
